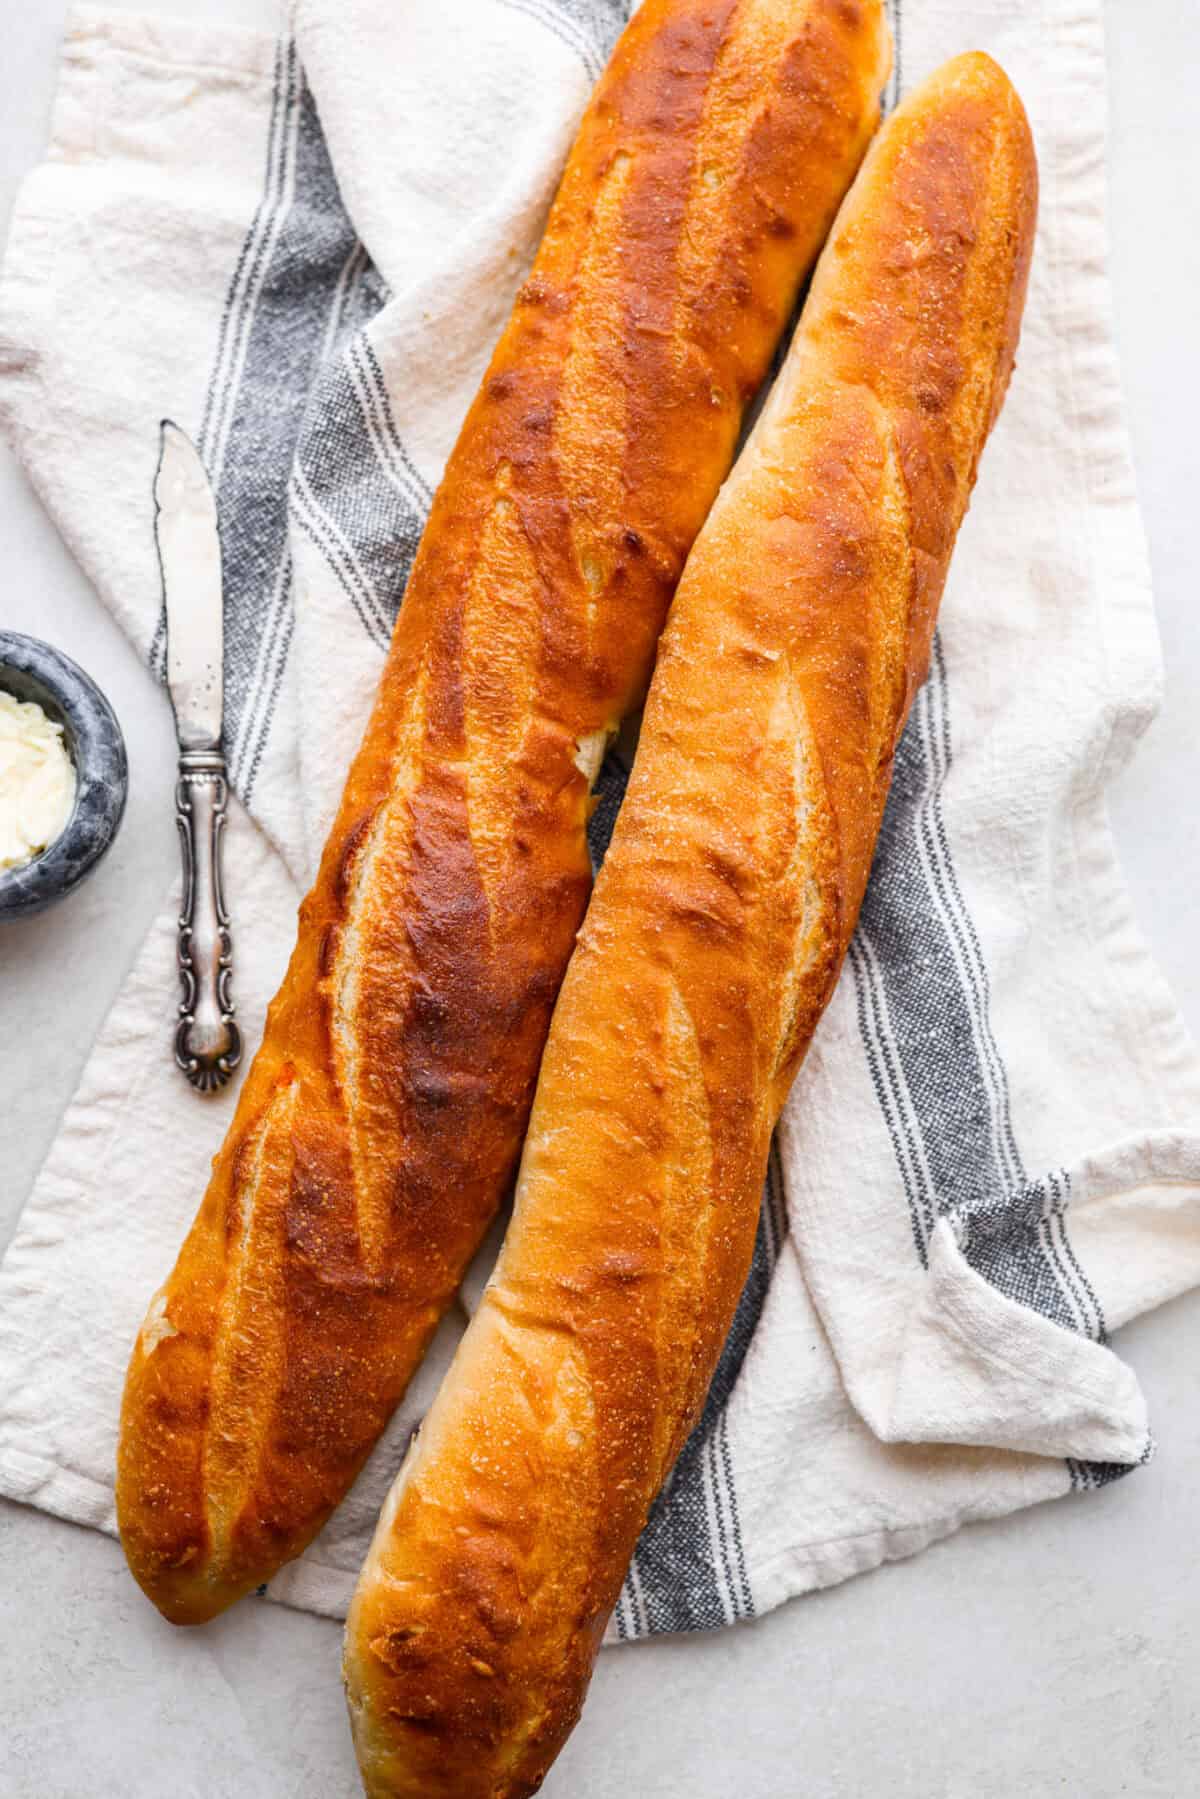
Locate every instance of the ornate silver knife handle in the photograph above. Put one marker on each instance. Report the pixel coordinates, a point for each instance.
(208, 1044)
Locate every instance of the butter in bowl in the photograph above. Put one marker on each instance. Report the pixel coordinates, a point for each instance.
(63, 775)
(37, 781)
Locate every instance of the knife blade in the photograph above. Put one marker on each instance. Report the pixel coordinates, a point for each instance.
(208, 1044)
(189, 550)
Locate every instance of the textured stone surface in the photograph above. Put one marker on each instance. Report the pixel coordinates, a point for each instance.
(33, 670)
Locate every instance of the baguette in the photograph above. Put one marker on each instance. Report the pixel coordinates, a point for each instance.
(379, 1126)
(799, 634)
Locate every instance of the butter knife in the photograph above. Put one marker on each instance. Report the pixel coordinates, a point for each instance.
(208, 1044)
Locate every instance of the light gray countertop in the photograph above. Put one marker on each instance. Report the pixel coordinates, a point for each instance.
(1057, 1652)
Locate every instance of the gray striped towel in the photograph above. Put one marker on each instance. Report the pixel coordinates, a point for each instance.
(303, 248)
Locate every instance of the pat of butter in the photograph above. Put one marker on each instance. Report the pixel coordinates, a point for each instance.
(37, 781)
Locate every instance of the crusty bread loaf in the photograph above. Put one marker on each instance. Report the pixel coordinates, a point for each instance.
(799, 633)
(380, 1124)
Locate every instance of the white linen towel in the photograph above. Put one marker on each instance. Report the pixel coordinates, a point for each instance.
(303, 250)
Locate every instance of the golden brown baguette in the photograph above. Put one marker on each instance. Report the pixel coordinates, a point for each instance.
(380, 1123)
(798, 636)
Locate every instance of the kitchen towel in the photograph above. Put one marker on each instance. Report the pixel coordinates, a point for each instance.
(303, 249)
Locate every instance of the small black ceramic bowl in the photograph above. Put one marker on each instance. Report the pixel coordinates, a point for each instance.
(32, 670)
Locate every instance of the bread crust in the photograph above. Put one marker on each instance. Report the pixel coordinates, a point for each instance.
(379, 1126)
(800, 631)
